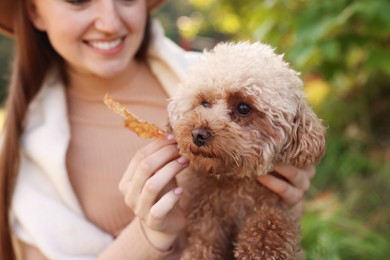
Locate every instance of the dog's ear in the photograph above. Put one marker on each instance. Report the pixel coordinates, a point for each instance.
(306, 144)
(176, 107)
(173, 111)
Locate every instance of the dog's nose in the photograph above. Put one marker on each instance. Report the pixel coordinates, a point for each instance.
(200, 136)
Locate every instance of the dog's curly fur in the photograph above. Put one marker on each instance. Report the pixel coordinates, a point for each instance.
(240, 111)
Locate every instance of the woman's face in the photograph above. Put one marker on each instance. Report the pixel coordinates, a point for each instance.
(98, 37)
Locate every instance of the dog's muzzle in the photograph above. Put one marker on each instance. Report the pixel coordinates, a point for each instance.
(200, 136)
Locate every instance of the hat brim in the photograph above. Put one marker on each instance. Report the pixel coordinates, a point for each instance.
(7, 10)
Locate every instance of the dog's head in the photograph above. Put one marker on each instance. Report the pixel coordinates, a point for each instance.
(241, 110)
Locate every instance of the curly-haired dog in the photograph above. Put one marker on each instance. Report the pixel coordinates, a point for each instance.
(240, 111)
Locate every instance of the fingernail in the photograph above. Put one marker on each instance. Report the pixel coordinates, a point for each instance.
(182, 160)
(178, 191)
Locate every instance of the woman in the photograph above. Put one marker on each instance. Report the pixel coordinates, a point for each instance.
(64, 154)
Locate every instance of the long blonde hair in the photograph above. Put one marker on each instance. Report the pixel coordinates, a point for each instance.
(33, 57)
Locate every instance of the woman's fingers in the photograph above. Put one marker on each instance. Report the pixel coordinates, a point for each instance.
(157, 183)
(293, 184)
(139, 157)
(286, 191)
(150, 179)
(142, 154)
(144, 170)
(149, 188)
(163, 207)
(299, 178)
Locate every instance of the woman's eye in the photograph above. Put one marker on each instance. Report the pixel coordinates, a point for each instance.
(206, 104)
(243, 109)
(76, 2)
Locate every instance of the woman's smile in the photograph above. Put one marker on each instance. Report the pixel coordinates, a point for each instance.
(106, 46)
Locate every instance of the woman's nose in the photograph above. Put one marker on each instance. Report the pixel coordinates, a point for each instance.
(107, 16)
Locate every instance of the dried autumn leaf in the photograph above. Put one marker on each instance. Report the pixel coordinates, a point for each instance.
(140, 127)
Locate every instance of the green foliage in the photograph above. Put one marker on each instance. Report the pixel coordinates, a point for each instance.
(339, 236)
(344, 42)
(5, 57)
(343, 160)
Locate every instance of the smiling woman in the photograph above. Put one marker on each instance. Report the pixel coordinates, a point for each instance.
(105, 51)
(62, 70)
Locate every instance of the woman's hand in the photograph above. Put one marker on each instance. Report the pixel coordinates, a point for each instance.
(290, 185)
(150, 190)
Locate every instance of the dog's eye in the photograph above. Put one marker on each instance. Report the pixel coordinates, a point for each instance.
(243, 109)
(206, 104)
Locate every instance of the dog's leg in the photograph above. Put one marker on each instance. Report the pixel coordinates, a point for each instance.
(269, 234)
(203, 246)
(208, 239)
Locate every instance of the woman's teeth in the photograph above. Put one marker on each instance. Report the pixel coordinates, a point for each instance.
(105, 45)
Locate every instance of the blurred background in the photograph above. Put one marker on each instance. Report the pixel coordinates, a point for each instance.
(342, 48)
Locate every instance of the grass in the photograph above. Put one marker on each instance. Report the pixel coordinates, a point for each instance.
(330, 232)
